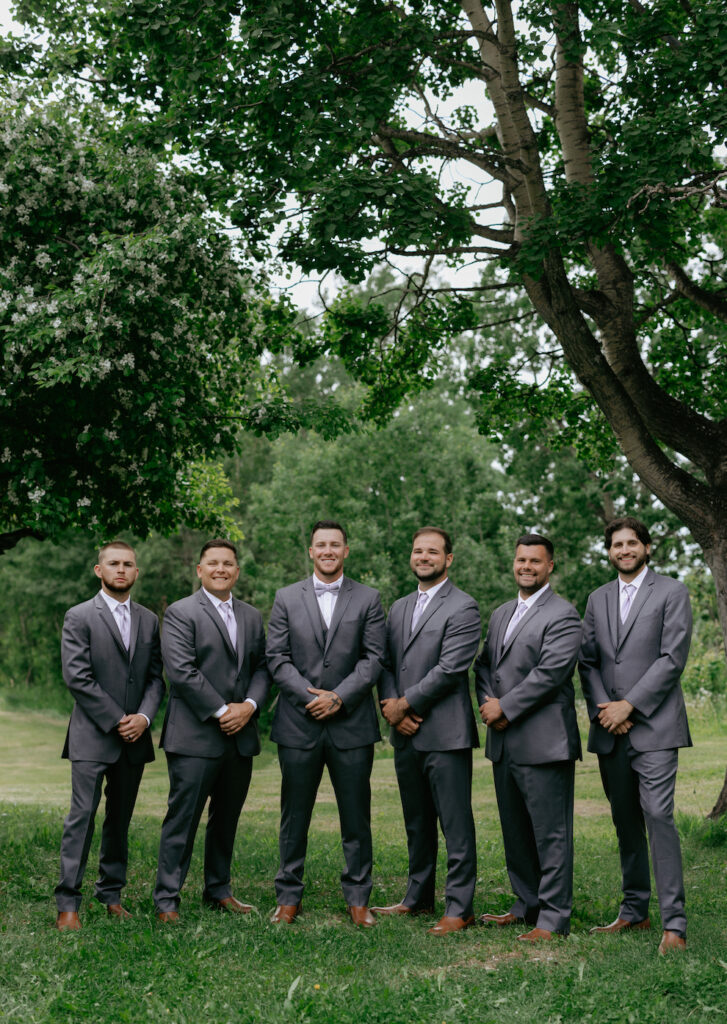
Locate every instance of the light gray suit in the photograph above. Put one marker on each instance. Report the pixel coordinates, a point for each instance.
(430, 667)
(641, 661)
(534, 757)
(204, 673)
(346, 658)
(107, 682)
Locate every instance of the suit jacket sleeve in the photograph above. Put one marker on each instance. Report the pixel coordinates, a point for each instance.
(280, 661)
(558, 653)
(154, 690)
(78, 673)
(663, 675)
(459, 646)
(483, 683)
(357, 685)
(589, 665)
(180, 661)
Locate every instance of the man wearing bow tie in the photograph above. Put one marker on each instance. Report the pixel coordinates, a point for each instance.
(525, 692)
(112, 666)
(636, 635)
(214, 654)
(325, 645)
(432, 637)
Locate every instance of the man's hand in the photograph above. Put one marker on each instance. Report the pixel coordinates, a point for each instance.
(131, 727)
(325, 704)
(614, 714)
(491, 714)
(394, 709)
(236, 717)
(409, 724)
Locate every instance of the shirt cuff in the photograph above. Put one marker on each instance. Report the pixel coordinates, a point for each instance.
(249, 700)
(220, 712)
(148, 720)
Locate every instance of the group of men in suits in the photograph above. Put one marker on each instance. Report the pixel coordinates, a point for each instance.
(328, 646)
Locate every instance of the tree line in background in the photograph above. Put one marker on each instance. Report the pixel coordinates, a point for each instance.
(428, 465)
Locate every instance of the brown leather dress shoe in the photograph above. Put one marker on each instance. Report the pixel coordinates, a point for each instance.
(395, 910)
(168, 916)
(362, 917)
(501, 920)
(670, 941)
(116, 910)
(537, 935)
(285, 913)
(622, 925)
(451, 924)
(68, 921)
(231, 905)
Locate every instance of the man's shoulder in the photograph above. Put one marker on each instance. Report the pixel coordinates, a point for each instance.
(560, 607)
(665, 583)
(458, 597)
(82, 610)
(186, 606)
(247, 608)
(142, 611)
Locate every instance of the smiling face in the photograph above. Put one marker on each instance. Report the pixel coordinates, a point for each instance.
(429, 561)
(117, 571)
(218, 571)
(628, 554)
(532, 567)
(328, 550)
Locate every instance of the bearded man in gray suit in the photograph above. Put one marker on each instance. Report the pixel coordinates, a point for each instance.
(636, 636)
(524, 683)
(325, 646)
(112, 666)
(214, 654)
(432, 638)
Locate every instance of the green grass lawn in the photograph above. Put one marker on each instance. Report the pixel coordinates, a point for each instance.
(219, 968)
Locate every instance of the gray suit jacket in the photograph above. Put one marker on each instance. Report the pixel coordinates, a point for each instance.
(108, 682)
(532, 676)
(204, 672)
(346, 658)
(430, 667)
(641, 661)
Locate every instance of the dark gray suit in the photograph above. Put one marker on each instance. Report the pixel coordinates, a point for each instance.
(641, 661)
(533, 759)
(346, 658)
(430, 667)
(204, 673)
(107, 682)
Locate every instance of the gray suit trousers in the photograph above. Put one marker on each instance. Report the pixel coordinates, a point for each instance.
(350, 772)
(122, 785)
(640, 789)
(535, 802)
(225, 780)
(437, 784)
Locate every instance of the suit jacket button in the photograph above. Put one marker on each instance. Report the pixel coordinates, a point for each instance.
(326, 664)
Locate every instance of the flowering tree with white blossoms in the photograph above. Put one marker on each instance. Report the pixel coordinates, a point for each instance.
(131, 335)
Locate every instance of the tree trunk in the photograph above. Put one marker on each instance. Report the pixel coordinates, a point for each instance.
(716, 557)
(9, 539)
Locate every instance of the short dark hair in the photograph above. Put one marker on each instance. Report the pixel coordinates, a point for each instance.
(435, 529)
(530, 540)
(627, 523)
(328, 524)
(114, 544)
(218, 542)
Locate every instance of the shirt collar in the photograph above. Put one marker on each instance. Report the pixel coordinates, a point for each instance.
(636, 582)
(530, 601)
(433, 590)
(112, 603)
(215, 600)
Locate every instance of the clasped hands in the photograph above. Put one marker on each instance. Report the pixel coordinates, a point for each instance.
(614, 716)
(131, 727)
(236, 717)
(492, 716)
(325, 704)
(398, 713)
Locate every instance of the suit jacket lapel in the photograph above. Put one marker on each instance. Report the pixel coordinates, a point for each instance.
(408, 611)
(240, 621)
(219, 625)
(342, 600)
(507, 613)
(134, 620)
(613, 611)
(529, 615)
(110, 622)
(314, 613)
(431, 606)
(642, 596)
